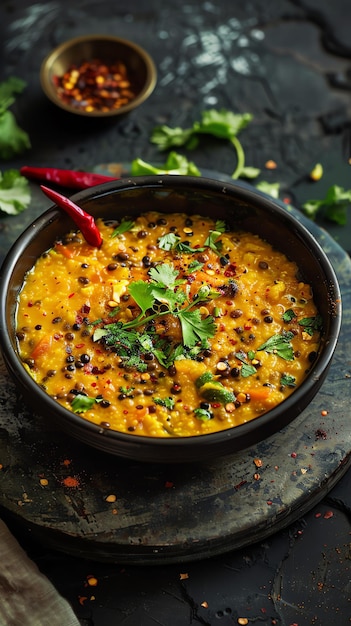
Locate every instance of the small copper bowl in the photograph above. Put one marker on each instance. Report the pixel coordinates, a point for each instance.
(139, 67)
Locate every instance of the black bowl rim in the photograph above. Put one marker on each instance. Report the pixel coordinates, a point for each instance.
(171, 447)
(145, 92)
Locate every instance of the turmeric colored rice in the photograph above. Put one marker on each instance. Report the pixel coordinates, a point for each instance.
(175, 326)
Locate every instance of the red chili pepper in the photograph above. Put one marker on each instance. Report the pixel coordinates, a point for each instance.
(83, 220)
(65, 178)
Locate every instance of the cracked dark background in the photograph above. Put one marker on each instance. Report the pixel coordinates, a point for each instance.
(289, 64)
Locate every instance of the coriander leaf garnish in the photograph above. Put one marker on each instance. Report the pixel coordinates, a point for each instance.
(203, 414)
(311, 324)
(213, 242)
(123, 227)
(280, 345)
(168, 242)
(246, 369)
(157, 298)
(168, 403)
(288, 315)
(82, 403)
(286, 380)
(141, 292)
(194, 328)
(195, 266)
(165, 275)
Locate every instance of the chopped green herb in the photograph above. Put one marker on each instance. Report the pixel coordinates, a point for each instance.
(127, 391)
(203, 414)
(280, 345)
(222, 124)
(288, 315)
(175, 164)
(311, 324)
(246, 368)
(168, 403)
(82, 403)
(15, 192)
(13, 139)
(168, 241)
(286, 380)
(123, 227)
(335, 204)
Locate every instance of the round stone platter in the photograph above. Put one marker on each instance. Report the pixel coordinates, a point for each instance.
(87, 503)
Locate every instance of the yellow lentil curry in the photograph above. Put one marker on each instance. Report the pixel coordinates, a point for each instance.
(175, 326)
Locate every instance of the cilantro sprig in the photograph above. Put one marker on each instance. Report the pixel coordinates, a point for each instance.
(222, 124)
(15, 193)
(162, 295)
(334, 203)
(13, 139)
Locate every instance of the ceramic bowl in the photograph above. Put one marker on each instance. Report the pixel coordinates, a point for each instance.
(118, 98)
(242, 207)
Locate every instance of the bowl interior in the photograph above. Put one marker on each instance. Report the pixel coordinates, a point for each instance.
(242, 209)
(108, 49)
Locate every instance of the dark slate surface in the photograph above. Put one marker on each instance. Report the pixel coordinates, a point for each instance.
(288, 64)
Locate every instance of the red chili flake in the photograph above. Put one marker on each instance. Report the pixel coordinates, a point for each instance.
(85, 309)
(317, 515)
(82, 599)
(247, 327)
(169, 484)
(95, 86)
(80, 345)
(269, 502)
(328, 514)
(125, 412)
(66, 462)
(221, 328)
(293, 455)
(71, 295)
(30, 304)
(215, 405)
(71, 481)
(94, 384)
(229, 302)
(57, 336)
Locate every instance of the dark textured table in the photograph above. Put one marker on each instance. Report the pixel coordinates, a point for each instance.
(288, 63)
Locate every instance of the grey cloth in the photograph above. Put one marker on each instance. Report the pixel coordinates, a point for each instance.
(27, 597)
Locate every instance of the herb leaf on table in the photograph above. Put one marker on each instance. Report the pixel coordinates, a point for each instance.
(13, 139)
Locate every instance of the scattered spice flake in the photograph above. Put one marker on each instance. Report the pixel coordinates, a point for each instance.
(82, 599)
(169, 484)
(303, 470)
(204, 604)
(44, 482)
(241, 484)
(258, 462)
(257, 476)
(269, 502)
(114, 512)
(1, 466)
(111, 498)
(66, 462)
(328, 514)
(324, 412)
(70, 481)
(270, 165)
(243, 621)
(92, 581)
(317, 515)
(293, 455)
(183, 576)
(321, 434)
